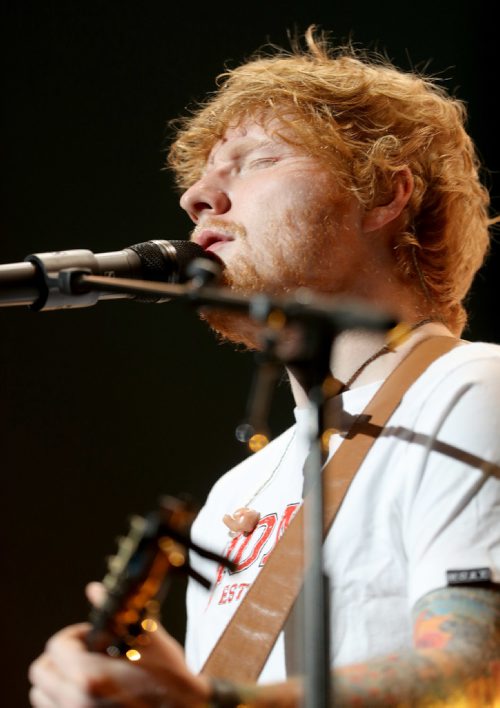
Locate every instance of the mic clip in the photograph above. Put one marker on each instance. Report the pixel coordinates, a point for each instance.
(57, 279)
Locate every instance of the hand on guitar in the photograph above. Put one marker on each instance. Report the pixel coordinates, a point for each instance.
(123, 657)
(68, 675)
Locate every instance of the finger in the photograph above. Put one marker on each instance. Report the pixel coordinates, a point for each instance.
(96, 593)
(51, 688)
(68, 652)
(88, 676)
(38, 699)
(159, 647)
(70, 675)
(70, 640)
(38, 673)
(102, 682)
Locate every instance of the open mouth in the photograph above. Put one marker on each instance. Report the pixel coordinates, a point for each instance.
(212, 240)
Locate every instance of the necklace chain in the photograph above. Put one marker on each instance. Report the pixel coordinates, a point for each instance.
(271, 476)
(383, 350)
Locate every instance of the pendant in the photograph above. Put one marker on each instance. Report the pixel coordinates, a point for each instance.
(241, 521)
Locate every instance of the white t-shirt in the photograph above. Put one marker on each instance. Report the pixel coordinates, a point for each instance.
(425, 500)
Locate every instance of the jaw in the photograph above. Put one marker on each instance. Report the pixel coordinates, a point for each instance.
(234, 328)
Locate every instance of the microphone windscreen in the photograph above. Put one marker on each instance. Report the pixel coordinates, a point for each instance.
(168, 261)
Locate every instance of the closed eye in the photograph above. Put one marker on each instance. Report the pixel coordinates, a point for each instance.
(263, 162)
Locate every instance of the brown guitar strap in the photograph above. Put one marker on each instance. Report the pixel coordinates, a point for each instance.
(245, 644)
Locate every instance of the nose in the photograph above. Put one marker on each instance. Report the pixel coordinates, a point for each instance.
(204, 198)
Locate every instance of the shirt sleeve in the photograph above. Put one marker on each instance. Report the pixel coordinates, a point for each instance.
(453, 510)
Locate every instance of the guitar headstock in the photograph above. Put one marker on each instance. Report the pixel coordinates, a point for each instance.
(155, 548)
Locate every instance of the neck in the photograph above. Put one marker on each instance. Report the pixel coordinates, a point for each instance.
(353, 348)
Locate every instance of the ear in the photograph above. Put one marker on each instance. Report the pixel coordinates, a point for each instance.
(383, 214)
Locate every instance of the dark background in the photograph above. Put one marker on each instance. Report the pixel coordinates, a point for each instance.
(104, 409)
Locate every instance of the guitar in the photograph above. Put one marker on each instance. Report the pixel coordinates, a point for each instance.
(155, 548)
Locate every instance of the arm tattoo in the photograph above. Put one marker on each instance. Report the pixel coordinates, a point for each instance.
(455, 661)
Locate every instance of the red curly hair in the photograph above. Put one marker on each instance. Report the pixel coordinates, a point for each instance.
(364, 119)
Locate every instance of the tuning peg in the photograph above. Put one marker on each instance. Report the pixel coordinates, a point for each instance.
(109, 582)
(125, 543)
(137, 523)
(115, 564)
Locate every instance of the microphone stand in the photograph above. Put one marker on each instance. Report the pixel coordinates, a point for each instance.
(320, 319)
(339, 313)
(312, 369)
(310, 364)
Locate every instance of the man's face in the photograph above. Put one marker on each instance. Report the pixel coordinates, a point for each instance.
(275, 217)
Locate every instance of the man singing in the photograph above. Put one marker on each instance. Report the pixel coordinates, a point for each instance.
(341, 174)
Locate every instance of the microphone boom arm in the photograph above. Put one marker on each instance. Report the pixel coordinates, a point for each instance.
(36, 281)
(303, 306)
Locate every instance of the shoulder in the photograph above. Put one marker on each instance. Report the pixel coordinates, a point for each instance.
(472, 368)
(451, 417)
(476, 359)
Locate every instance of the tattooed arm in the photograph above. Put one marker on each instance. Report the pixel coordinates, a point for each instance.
(455, 661)
(456, 657)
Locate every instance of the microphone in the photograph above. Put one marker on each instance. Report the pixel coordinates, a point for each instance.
(35, 283)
